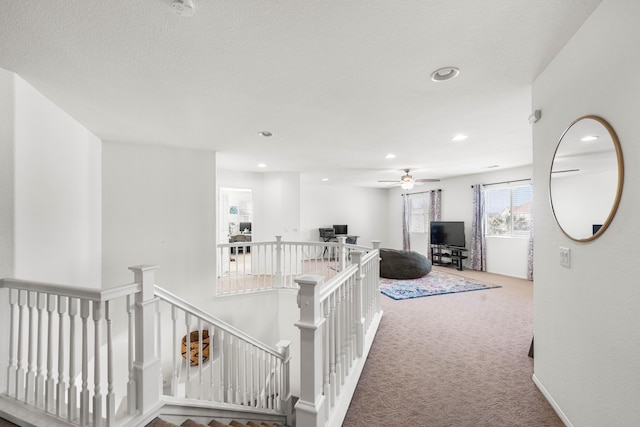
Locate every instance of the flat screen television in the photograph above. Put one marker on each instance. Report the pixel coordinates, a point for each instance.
(447, 233)
(340, 229)
(245, 226)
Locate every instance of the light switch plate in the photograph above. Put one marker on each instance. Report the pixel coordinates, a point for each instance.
(565, 257)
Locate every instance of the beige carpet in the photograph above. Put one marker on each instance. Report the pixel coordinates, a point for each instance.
(454, 360)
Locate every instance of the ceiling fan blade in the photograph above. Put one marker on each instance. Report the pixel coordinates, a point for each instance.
(427, 180)
(394, 181)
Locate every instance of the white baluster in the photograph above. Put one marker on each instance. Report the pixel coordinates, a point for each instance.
(131, 383)
(20, 372)
(211, 370)
(326, 385)
(12, 367)
(72, 392)
(187, 322)
(62, 386)
(97, 395)
(332, 348)
(338, 342)
(175, 352)
(279, 278)
(39, 400)
(111, 397)
(252, 390)
(29, 396)
(159, 344)
(245, 353)
(49, 384)
(84, 392)
(238, 365)
(230, 375)
(200, 351)
(221, 386)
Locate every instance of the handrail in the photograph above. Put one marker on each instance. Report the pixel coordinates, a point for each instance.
(198, 312)
(330, 286)
(71, 291)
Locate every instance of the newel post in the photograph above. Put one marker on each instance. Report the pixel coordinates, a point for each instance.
(146, 365)
(284, 348)
(342, 252)
(376, 279)
(310, 408)
(356, 258)
(279, 283)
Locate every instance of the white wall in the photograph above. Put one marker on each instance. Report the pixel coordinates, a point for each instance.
(7, 119)
(57, 193)
(505, 255)
(364, 210)
(586, 317)
(159, 208)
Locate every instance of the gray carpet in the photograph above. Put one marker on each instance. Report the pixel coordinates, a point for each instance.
(454, 360)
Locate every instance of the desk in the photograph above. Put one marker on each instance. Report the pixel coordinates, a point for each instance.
(240, 238)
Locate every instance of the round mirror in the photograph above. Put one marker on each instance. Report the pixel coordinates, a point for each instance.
(586, 178)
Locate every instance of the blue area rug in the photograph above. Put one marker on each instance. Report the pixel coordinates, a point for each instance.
(434, 283)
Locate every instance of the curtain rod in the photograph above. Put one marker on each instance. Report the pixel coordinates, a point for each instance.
(505, 182)
(419, 192)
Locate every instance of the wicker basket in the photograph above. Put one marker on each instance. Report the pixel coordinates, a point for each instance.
(194, 344)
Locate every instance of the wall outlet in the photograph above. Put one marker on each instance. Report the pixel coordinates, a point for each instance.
(565, 257)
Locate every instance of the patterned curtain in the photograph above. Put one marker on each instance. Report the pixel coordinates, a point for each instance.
(530, 253)
(434, 213)
(477, 252)
(406, 241)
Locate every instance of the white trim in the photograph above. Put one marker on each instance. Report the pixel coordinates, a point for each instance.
(552, 402)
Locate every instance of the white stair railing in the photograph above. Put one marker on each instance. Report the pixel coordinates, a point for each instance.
(338, 321)
(59, 364)
(257, 266)
(226, 365)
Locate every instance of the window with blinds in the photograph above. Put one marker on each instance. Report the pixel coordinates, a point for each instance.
(508, 210)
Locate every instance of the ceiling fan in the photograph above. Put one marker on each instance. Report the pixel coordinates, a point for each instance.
(407, 181)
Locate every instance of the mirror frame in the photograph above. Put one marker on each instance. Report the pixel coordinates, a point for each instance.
(616, 201)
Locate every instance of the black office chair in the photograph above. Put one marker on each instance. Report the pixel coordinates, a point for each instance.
(351, 240)
(327, 235)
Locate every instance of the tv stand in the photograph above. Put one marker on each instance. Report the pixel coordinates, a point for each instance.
(448, 255)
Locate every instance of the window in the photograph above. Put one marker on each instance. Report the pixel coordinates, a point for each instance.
(508, 211)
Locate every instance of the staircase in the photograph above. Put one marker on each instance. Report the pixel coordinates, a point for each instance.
(159, 422)
(137, 355)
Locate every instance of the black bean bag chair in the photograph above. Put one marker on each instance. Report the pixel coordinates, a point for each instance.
(398, 264)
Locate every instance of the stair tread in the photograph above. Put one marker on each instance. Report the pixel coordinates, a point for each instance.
(216, 423)
(191, 423)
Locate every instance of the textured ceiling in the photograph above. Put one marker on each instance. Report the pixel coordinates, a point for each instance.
(339, 83)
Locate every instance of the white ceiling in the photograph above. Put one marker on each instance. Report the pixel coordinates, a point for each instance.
(339, 83)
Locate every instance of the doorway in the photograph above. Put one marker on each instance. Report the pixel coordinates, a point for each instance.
(235, 225)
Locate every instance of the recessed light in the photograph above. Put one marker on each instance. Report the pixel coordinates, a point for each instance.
(460, 137)
(265, 133)
(445, 73)
(589, 138)
(390, 156)
(325, 179)
(261, 165)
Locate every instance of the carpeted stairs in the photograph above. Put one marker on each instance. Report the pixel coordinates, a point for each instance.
(159, 422)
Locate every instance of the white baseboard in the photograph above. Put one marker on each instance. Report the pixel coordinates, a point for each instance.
(551, 401)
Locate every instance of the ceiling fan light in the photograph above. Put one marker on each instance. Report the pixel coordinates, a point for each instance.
(407, 185)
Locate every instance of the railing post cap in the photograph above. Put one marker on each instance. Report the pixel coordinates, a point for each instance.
(143, 267)
(309, 279)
